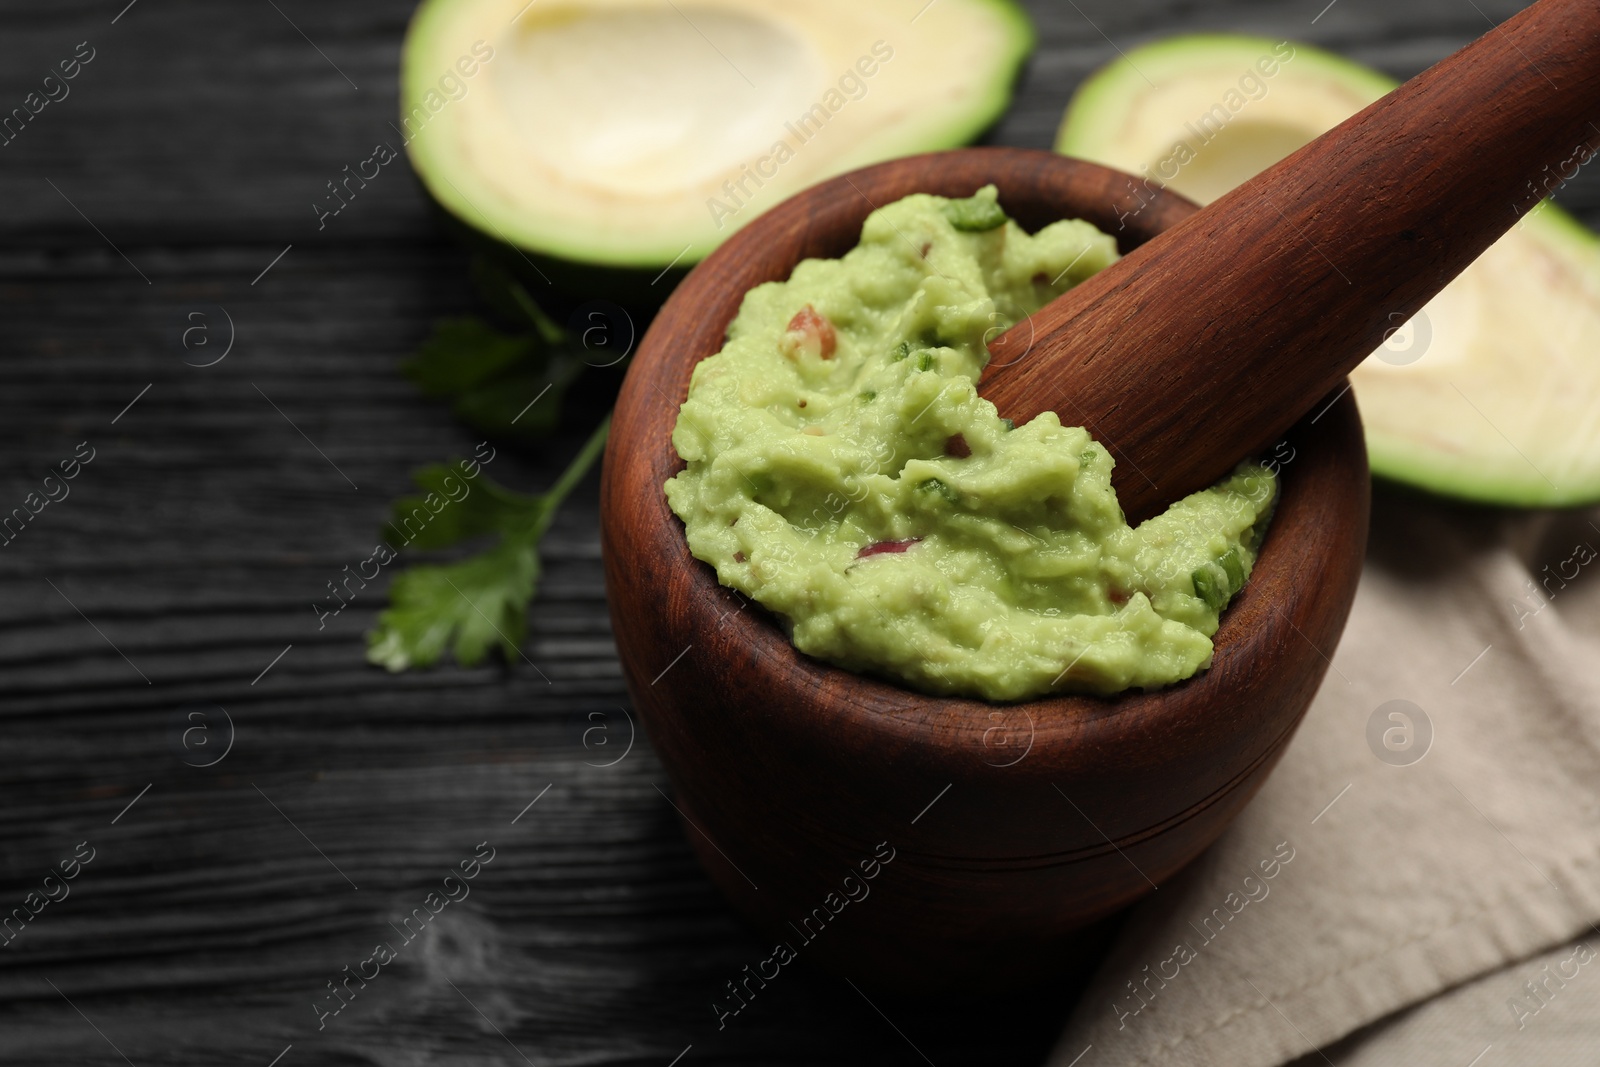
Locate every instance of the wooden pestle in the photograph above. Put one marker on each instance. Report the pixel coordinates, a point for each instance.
(1205, 345)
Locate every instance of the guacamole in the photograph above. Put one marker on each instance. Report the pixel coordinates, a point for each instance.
(843, 472)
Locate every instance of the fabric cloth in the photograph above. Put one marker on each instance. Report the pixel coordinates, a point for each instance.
(1417, 883)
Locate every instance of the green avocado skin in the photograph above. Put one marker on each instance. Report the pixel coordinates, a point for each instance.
(842, 471)
(640, 273)
(1410, 454)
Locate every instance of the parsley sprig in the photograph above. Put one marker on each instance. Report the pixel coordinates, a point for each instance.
(480, 602)
(509, 386)
(506, 384)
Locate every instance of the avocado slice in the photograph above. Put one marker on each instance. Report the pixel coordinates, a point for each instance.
(642, 133)
(1492, 392)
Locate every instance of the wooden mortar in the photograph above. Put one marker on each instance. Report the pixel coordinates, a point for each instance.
(1013, 826)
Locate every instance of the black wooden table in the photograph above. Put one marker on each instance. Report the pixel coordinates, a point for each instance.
(223, 902)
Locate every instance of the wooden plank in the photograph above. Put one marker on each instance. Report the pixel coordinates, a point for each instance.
(194, 542)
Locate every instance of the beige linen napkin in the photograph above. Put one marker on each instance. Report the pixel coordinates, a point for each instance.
(1426, 851)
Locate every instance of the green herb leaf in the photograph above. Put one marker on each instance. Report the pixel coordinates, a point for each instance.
(476, 604)
(463, 353)
(1210, 585)
(454, 508)
(1233, 567)
(471, 606)
(935, 485)
(509, 385)
(503, 384)
(1216, 583)
(524, 403)
(975, 214)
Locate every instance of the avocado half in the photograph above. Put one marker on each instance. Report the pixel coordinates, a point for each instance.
(1492, 392)
(642, 133)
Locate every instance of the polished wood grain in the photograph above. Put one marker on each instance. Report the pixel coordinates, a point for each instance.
(788, 772)
(1203, 347)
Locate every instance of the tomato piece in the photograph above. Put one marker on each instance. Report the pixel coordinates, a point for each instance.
(879, 547)
(813, 332)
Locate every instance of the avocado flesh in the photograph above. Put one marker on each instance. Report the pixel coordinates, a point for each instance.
(643, 133)
(1492, 393)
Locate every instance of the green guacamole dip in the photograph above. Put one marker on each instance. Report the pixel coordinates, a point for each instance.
(843, 472)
